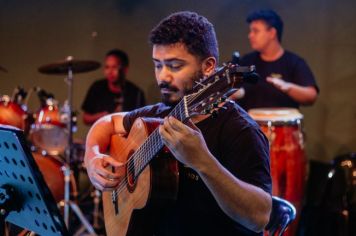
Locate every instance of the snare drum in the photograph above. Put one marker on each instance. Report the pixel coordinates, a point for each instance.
(11, 113)
(283, 128)
(49, 131)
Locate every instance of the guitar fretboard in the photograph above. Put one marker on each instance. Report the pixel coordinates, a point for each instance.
(153, 144)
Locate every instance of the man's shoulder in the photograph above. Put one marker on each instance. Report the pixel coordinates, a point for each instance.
(250, 57)
(292, 57)
(238, 117)
(154, 110)
(99, 83)
(158, 110)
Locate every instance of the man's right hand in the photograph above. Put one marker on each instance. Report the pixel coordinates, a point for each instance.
(102, 178)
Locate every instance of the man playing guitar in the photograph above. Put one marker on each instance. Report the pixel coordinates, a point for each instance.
(224, 185)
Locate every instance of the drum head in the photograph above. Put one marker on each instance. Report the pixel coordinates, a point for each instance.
(275, 115)
(50, 138)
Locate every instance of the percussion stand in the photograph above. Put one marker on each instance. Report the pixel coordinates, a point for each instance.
(67, 203)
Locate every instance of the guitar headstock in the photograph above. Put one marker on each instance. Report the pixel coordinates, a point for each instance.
(210, 92)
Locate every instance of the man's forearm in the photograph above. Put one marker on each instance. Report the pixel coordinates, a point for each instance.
(243, 202)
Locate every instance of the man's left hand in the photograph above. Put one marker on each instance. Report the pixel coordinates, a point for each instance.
(279, 84)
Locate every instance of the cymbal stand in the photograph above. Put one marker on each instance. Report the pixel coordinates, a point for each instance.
(67, 203)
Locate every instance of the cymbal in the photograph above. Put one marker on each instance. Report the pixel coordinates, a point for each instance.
(3, 69)
(62, 67)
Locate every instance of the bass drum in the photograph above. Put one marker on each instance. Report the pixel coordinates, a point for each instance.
(52, 171)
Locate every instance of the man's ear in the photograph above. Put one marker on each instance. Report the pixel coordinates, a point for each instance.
(208, 66)
(273, 33)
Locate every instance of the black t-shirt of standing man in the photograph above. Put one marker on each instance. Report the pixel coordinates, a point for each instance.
(289, 67)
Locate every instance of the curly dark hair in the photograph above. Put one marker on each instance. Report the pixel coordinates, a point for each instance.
(189, 28)
(271, 18)
(119, 54)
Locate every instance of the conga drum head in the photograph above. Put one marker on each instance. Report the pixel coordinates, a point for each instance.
(49, 138)
(276, 116)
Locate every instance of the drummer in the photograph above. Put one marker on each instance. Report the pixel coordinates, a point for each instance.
(114, 93)
(286, 79)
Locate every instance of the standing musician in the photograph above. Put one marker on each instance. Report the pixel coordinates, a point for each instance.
(224, 180)
(114, 93)
(287, 81)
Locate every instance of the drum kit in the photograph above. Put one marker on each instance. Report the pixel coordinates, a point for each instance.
(50, 136)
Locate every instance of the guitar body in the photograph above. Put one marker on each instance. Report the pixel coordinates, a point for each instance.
(158, 182)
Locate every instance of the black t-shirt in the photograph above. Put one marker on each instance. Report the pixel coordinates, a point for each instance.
(240, 146)
(99, 98)
(289, 67)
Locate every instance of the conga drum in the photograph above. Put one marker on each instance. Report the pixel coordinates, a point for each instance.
(283, 128)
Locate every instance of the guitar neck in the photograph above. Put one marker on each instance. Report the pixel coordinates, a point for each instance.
(153, 144)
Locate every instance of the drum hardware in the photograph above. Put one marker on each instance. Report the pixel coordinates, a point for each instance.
(68, 67)
(269, 133)
(74, 66)
(97, 215)
(300, 133)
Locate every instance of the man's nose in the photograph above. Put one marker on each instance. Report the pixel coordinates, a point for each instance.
(165, 75)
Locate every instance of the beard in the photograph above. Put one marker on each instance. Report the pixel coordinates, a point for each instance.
(173, 98)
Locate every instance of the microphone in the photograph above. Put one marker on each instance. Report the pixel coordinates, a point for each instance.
(235, 57)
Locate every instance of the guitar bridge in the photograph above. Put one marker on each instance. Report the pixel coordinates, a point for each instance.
(114, 202)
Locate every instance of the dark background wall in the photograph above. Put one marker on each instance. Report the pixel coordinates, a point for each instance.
(35, 33)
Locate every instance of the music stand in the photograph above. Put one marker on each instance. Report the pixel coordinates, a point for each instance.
(25, 199)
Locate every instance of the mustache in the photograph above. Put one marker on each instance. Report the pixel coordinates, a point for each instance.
(165, 85)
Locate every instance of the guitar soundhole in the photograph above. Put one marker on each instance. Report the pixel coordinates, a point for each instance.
(131, 179)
